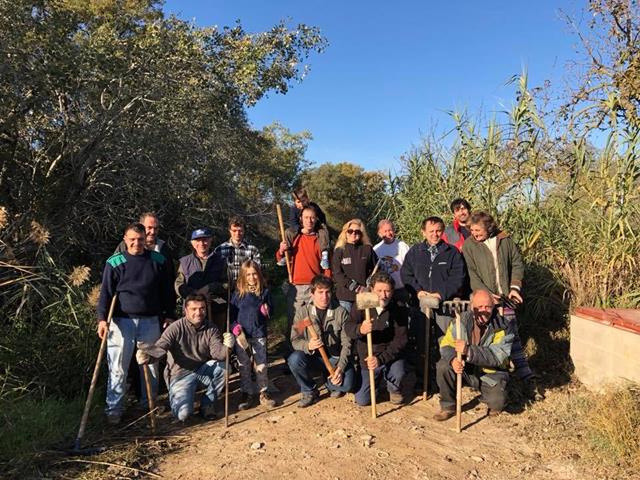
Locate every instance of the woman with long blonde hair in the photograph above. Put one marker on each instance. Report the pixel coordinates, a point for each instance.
(251, 307)
(353, 261)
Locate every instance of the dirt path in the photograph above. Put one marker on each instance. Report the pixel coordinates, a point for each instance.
(336, 439)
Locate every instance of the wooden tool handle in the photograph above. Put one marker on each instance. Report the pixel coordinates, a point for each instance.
(94, 379)
(286, 253)
(372, 377)
(458, 381)
(323, 351)
(152, 407)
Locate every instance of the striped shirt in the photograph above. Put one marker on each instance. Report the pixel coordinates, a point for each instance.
(236, 256)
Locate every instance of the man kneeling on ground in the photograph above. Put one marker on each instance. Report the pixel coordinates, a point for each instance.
(485, 344)
(328, 321)
(195, 356)
(388, 326)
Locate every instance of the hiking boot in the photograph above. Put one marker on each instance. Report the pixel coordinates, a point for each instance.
(266, 400)
(308, 399)
(396, 398)
(246, 401)
(114, 418)
(336, 394)
(208, 412)
(443, 415)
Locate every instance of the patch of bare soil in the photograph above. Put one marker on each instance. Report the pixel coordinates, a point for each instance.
(336, 439)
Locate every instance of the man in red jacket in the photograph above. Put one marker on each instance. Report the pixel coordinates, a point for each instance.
(456, 233)
(306, 255)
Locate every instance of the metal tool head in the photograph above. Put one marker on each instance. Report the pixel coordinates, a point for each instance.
(366, 300)
(456, 305)
(429, 301)
(301, 325)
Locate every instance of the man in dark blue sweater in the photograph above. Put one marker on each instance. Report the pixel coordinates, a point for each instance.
(143, 282)
(434, 271)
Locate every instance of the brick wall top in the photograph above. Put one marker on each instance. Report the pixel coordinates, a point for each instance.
(623, 318)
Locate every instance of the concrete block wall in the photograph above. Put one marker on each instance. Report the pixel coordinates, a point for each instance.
(605, 346)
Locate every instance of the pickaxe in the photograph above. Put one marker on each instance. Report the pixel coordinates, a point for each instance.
(428, 303)
(306, 324)
(365, 301)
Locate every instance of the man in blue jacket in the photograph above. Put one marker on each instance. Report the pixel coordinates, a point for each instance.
(142, 280)
(435, 269)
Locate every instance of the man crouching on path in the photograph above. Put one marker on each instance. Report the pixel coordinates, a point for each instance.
(195, 357)
(328, 321)
(485, 345)
(143, 282)
(388, 326)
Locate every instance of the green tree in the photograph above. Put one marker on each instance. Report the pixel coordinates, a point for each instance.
(345, 191)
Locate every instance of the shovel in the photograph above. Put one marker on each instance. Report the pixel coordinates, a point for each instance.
(365, 301)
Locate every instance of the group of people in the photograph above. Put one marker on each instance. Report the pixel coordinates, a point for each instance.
(471, 258)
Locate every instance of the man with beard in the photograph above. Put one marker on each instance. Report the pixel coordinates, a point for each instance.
(485, 344)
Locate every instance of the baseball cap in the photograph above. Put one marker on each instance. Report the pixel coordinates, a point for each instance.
(201, 233)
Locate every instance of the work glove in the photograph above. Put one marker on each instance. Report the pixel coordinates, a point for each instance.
(236, 329)
(264, 310)
(142, 357)
(228, 340)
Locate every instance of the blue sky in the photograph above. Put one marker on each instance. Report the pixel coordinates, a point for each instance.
(392, 70)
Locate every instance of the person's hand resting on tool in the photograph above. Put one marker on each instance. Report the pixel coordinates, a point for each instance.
(228, 340)
(423, 293)
(142, 357)
(366, 327)
(283, 248)
(372, 362)
(337, 377)
(457, 365)
(462, 347)
(102, 328)
(314, 344)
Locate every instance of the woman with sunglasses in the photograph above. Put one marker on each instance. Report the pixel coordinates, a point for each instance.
(353, 262)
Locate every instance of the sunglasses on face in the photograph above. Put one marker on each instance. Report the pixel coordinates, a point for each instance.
(354, 232)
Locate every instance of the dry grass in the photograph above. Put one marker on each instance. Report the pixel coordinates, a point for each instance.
(600, 431)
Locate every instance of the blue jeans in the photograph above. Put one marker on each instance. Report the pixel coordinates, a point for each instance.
(392, 372)
(301, 365)
(182, 390)
(258, 347)
(121, 341)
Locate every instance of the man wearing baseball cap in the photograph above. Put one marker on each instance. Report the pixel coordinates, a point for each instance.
(204, 272)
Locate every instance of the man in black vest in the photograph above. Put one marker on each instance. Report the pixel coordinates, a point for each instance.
(204, 272)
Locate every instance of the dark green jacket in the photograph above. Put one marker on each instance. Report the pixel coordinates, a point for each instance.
(482, 272)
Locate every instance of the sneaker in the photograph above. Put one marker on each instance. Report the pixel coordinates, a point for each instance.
(336, 394)
(535, 391)
(443, 415)
(114, 418)
(324, 262)
(208, 412)
(266, 400)
(308, 399)
(396, 398)
(246, 401)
